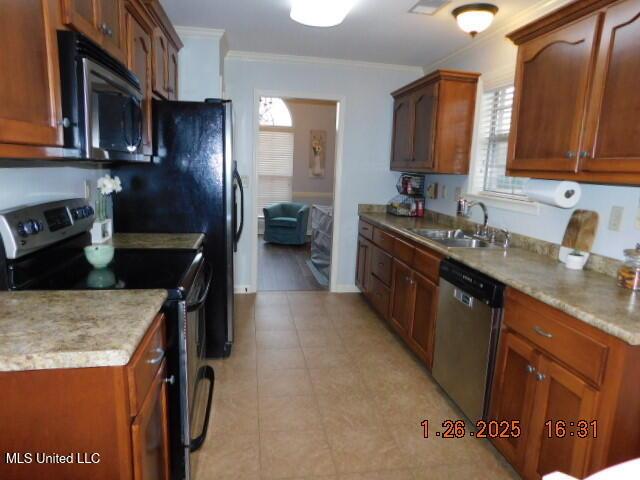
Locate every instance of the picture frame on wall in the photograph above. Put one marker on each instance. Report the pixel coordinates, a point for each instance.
(317, 153)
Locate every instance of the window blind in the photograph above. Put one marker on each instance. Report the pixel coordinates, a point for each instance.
(275, 168)
(495, 124)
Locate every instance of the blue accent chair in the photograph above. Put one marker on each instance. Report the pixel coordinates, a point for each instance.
(286, 223)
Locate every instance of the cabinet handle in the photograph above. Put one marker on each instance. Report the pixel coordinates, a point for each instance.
(584, 154)
(570, 154)
(531, 369)
(540, 376)
(542, 332)
(158, 359)
(65, 122)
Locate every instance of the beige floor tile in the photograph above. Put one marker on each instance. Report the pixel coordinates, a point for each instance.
(326, 357)
(410, 408)
(272, 311)
(320, 338)
(280, 359)
(271, 298)
(240, 387)
(306, 321)
(365, 450)
(234, 415)
(270, 340)
(349, 411)
(237, 456)
(274, 324)
(458, 471)
(289, 414)
(295, 454)
(336, 381)
(384, 475)
(284, 383)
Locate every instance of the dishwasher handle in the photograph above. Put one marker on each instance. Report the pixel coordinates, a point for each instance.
(463, 297)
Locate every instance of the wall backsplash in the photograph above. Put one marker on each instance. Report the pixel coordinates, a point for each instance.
(22, 186)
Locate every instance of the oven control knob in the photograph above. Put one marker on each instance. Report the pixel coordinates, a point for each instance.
(90, 210)
(30, 227)
(21, 230)
(75, 214)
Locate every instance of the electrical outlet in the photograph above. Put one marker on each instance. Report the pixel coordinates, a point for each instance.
(458, 193)
(615, 219)
(87, 189)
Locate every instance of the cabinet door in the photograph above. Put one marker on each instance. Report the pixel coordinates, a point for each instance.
(160, 56)
(552, 83)
(402, 142)
(172, 73)
(83, 16)
(560, 396)
(423, 324)
(425, 103)
(150, 433)
(613, 137)
(362, 264)
(403, 293)
(513, 391)
(30, 79)
(112, 28)
(139, 42)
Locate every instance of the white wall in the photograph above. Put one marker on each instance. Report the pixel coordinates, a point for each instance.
(495, 56)
(367, 108)
(201, 63)
(22, 186)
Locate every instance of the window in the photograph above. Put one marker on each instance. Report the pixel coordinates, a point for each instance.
(274, 113)
(489, 176)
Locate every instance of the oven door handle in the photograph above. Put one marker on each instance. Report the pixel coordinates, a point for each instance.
(196, 443)
(197, 305)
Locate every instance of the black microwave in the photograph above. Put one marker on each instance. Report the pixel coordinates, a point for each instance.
(102, 115)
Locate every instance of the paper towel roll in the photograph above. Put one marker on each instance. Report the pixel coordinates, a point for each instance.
(559, 194)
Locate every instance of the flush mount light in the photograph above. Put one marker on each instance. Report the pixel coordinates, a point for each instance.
(320, 13)
(475, 18)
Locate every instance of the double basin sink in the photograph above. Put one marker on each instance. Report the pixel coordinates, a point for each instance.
(455, 238)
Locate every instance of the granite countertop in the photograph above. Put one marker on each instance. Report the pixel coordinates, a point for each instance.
(157, 240)
(589, 296)
(71, 329)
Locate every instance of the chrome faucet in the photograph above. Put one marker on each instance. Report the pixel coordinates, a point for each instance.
(465, 206)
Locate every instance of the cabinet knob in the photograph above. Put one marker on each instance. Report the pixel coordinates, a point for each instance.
(584, 154)
(531, 369)
(65, 122)
(540, 376)
(570, 154)
(170, 380)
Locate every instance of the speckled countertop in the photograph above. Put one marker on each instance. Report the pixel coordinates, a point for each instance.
(589, 296)
(157, 240)
(67, 329)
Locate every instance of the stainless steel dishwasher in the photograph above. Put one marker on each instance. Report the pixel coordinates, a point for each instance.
(467, 331)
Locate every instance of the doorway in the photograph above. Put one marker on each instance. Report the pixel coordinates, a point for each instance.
(296, 153)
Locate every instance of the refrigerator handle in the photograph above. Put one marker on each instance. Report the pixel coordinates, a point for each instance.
(241, 226)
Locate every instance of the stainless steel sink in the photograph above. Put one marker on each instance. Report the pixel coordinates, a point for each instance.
(454, 238)
(466, 243)
(440, 234)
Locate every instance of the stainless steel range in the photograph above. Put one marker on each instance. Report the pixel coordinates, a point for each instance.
(42, 249)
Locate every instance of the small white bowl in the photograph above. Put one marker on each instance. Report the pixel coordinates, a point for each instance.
(575, 262)
(99, 255)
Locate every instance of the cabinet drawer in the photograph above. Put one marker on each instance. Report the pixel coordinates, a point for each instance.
(381, 264)
(365, 229)
(428, 264)
(145, 363)
(550, 330)
(383, 239)
(403, 251)
(380, 296)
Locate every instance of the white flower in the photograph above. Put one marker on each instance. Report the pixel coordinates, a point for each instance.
(108, 185)
(117, 184)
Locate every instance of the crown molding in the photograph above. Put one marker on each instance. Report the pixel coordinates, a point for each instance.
(501, 29)
(200, 32)
(280, 58)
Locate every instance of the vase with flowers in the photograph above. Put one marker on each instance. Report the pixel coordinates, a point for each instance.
(102, 229)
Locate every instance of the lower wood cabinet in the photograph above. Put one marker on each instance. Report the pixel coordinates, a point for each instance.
(115, 417)
(389, 274)
(570, 419)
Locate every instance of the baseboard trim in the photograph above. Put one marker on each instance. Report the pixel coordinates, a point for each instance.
(346, 288)
(242, 289)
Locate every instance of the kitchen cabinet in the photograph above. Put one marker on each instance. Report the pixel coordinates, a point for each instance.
(100, 20)
(139, 61)
(433, 123)
(29, 78)
(567, 385)
(401, 282)
(575, 99)
(160, 63)
(118, 413)
(172, 75)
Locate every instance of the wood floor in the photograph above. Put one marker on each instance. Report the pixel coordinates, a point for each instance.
(284, 268)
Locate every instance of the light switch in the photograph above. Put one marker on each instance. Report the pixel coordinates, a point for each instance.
(444, 191)
(615, 219)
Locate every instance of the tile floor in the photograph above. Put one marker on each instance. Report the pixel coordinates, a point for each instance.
(317, 387)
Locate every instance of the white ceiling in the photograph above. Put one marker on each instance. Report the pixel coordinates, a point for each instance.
(375, 31)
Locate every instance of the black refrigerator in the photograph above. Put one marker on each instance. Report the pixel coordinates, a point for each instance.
(191, 185)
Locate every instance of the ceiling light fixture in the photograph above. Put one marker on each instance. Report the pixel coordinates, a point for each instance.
(475, 18)
(320, 13)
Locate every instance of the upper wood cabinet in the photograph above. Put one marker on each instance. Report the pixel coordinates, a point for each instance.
(160, 63)
(172, 76)
(433, 123)
(575, 104)
(100, 20)
(29, 75)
